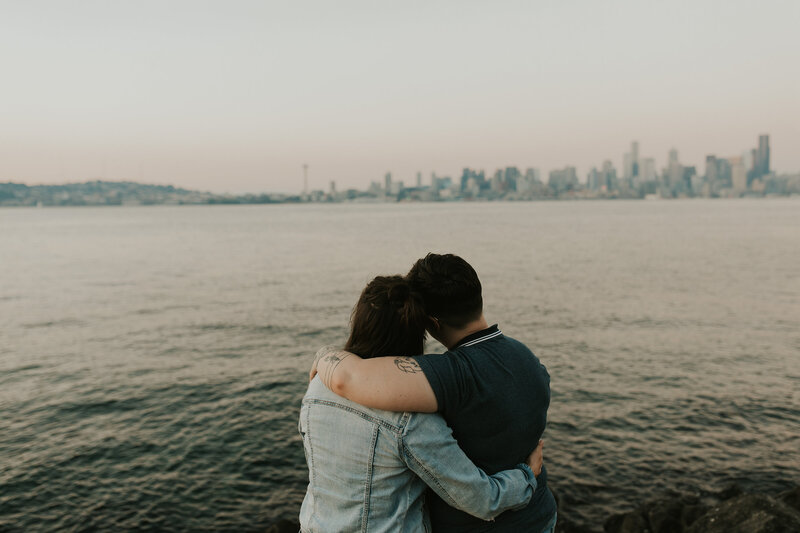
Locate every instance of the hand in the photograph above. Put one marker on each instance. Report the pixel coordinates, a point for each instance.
(320, 354)
(535, 459)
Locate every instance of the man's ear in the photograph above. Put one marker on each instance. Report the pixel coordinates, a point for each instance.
(434, 323)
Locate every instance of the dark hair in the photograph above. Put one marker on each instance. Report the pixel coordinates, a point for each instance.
(449, 287)
(388, 319)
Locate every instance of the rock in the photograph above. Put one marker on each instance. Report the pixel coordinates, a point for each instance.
(284, 526)
(737, 512)
(748, 513)
(791, 498)
(634, 522)
(565, 525)
(672, 516)
(731, 491)
(692, 512)
(660, 516)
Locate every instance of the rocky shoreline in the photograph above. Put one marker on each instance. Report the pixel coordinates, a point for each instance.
(730, 511)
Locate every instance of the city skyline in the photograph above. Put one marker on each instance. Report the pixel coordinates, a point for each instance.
(637, 174)
(237, 99)
(749, 175)
(755, 162)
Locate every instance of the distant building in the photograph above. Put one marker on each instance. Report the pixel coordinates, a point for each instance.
(443, 183)
(512, 176)
(466, 176)
(630, 164)
(762, 156)
(506, 180)
(673, 156)
(533, 175)
(609, 174)
(689, 180)
(529, 180)
(696, 184)
(472, 181)
(563, 180)
(674, 172)
(647, 170)
(387, 180)
(750, 165)
(738, 174)
(723, 177)
(593, 180)
(724, 172)
(419, 179)
(497, 181)
(711, 168)
(627, 166)
(604, 179)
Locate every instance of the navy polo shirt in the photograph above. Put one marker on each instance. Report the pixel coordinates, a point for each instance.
(494, 394)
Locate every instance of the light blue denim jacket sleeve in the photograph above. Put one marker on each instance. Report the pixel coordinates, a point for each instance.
(429, 449)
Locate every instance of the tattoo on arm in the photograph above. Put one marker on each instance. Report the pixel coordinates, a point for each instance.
(407, 365)
(325, 350)
(333, 360)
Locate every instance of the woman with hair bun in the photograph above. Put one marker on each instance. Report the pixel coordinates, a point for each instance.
(368, 468)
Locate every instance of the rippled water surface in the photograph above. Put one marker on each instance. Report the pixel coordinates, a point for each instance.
(152, 359)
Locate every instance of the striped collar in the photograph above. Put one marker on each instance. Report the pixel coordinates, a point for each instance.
(478, 336)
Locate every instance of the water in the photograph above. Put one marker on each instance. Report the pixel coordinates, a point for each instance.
(152, 359)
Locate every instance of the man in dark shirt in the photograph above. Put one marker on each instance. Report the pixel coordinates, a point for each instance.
(491, 389)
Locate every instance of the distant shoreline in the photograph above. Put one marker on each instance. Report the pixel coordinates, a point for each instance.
(126, 193)
(415, 202)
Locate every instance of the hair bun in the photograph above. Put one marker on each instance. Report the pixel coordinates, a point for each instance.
(398, 294)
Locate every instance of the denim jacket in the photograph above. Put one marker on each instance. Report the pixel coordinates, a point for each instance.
(368, 469)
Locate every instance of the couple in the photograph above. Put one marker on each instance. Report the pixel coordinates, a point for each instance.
(370, 448)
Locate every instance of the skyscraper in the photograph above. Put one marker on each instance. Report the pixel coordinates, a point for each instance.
(466, 174)
(563, 179)
(674, 170)
(627, 167)
(630, 164)
(593, 179)
(510, 177)
(529, 180)
(534, 175)
(724, 172)
(738, 174)
(673, 156)
(610, 174)
(762, 156)
(647, 170)
(711, 168)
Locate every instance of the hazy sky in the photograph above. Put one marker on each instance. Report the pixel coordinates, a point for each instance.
(236, 95)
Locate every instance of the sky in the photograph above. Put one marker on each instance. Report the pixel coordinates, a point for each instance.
(236, 96)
